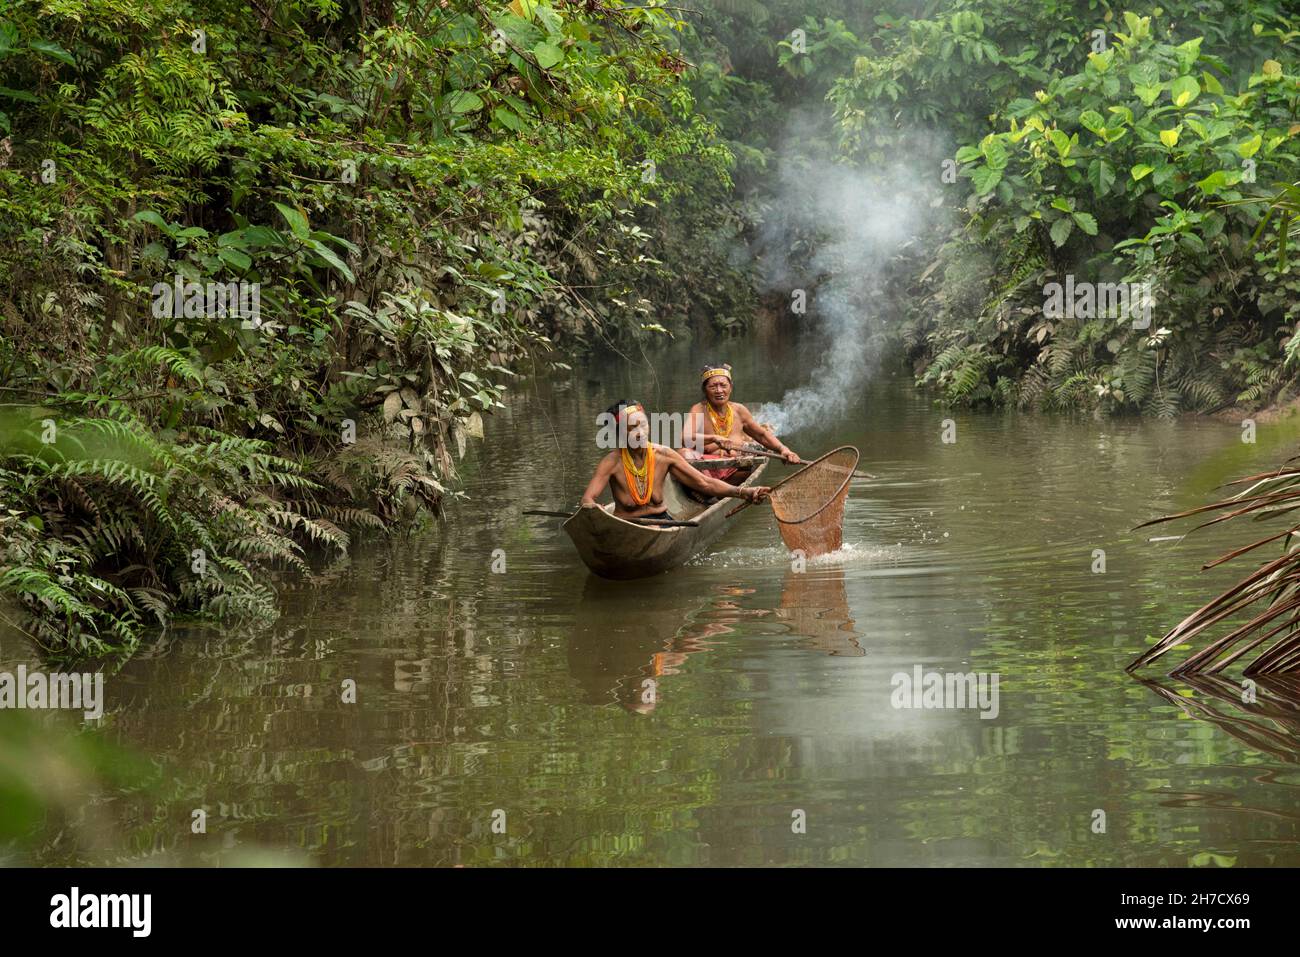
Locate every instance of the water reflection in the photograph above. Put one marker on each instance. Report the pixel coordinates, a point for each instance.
(1264, 715)
(628, 637)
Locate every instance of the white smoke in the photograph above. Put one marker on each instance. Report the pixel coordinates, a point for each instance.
(861, 219)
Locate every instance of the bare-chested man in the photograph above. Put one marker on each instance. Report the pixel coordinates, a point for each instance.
(724, 426)
(635, 471)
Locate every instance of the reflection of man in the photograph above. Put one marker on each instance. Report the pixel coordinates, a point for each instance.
(636, 470)
(723, 426)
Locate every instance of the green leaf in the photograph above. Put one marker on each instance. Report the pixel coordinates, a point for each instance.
(985, 179)
(1148, 94)
(152, 219)
(234, 258)
(1184, 90)
(509, 119)
(1140, 170)
(8, 39)
(331, 257)
(1086, 222)
(1091, 120)
(1213, 183)
(1061, 230)
(968, 154)
(52, 49)
(547, 54)
(1248, 148)
(995, 153)
(1101, 175)
(296, 220)
(464, 101)
(19, 95)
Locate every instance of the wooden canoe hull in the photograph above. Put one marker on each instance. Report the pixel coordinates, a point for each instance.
(614, 548)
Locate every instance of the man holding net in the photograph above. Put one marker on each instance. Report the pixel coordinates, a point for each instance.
(636, 470)
(718, 427)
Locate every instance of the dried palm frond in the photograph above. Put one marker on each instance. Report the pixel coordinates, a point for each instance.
(1276, 584)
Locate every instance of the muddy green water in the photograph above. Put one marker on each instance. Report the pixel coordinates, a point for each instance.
(519, 699)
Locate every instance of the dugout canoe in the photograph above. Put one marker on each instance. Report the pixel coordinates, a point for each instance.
(616, 548)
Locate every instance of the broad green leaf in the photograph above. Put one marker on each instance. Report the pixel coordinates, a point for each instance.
(331, 257)
(1086, 222)
(1140, 170)
(234, 258)
(985, 178)
(153, 219)
(1148, 94)
(1213, 183)
(296, 220)
(995, 153)
(464, 101)
(1248, 148)
(1101, 175)
(1169, 137)
(1187, 53)
(1184, 90)
(547, 54)
(1091, 120)
(19, 95)
(1061, 230)
(968, 154)
(52, 49)
(509, 119)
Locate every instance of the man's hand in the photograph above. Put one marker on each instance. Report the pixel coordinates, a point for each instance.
(754, 493)
(591, 505)
(790, 457)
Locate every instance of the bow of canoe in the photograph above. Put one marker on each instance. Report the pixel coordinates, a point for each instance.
(615, 548)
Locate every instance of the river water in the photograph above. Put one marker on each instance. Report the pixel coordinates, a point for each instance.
(505, 718)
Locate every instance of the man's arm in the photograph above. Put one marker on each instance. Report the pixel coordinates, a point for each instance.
(599, 482)
(687, 474)
(765, 436)
(694, 434)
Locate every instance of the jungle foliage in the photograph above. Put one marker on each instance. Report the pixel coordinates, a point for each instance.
(1112, 145)
(427, 197)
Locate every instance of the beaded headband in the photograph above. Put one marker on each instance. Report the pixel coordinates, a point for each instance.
(710, 373)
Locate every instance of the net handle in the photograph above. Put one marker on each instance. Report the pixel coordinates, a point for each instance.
(744, 505)
(834, 495)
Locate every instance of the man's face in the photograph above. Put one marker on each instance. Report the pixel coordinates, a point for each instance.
(638, 430)
(718, 389)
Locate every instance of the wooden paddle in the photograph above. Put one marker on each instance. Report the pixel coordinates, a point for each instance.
(778, 455)
(659, 522)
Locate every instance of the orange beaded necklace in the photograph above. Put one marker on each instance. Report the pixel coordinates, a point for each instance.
(721, 426)
(639, 479)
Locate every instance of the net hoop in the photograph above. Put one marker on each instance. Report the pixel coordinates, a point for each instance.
(848, 477)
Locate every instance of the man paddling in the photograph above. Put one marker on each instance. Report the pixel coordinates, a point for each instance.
(635, 471)
(723, 426)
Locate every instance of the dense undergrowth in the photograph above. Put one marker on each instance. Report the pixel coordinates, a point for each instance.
(415, 197)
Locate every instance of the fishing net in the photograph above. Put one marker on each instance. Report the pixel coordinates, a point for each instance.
(809, 505)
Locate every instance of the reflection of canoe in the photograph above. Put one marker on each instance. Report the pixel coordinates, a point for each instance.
(614, 548)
